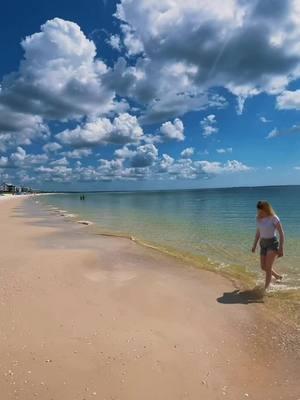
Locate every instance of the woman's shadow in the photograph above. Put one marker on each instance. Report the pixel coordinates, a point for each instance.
(255, 295)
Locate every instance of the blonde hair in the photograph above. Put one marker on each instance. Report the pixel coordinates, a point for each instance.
(266, 207)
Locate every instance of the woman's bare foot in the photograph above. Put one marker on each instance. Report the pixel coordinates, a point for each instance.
(278, 278)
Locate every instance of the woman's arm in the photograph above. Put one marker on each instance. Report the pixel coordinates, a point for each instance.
(256, 239)
(281, 239)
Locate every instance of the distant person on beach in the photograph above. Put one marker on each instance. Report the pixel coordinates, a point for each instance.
(270, 248)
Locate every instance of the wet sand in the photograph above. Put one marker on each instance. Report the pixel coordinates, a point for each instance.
(85, 316)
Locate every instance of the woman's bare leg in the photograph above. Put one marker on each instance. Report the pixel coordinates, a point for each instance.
(263, 262)
(270, 258)
(263, 267)
(275, 274)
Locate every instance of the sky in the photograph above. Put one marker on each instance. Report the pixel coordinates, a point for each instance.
(160, 94)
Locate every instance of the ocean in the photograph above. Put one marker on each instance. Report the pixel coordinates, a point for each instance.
(217, 224)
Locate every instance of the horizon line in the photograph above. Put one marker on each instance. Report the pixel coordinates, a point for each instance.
(165, 190)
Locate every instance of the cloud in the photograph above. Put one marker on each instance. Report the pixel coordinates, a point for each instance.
(193, 46)
(264, 120)
(188, 152)
(88, 134)
(58, 174)
(180, 169)
(172, 105)
(124, 153)
(144, 156)
(169, 168)
(110, 169)
(188, 169)
(217, 168)
(132, 43)
(152, 139)
(289, 100)
(223, 151)
(52, 147)
(143, 163)
(273, 133)
(59, 78)
(77, 153)
(276, 132)
(3, 162)
(176, 56)
(60, 161)
(165, 163)
(121, 130)
(20, 159)
(126, 129)
(152, 88)
(208, 125)
(173, 130)
(115, 42)
(17, 128)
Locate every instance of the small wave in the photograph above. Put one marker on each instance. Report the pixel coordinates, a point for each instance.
(282, 288)
(70, 215)
(85, 222)
(222, 265)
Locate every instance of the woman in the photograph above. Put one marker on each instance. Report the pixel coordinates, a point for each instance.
(267, 223)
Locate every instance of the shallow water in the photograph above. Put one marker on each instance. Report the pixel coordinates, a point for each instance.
(215, 223)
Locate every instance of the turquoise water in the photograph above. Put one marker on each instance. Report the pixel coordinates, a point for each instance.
(215, 223)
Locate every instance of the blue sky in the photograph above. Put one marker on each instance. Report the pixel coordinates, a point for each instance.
(105, 95)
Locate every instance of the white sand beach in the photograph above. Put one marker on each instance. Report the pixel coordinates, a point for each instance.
(85, 317)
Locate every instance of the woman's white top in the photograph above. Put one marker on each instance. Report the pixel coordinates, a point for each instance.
(267, 226)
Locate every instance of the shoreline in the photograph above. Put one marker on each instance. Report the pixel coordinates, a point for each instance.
(282, 303)
(105, 316)
(236, 273)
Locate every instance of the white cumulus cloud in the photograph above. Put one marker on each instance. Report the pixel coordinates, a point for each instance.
(144, 156)
(52, 147)
(59, 78)
(115, 42)
(121, 130)
(77, 153)
(60, 161)
(173, 130)
(188, 152)
(186, 48)
(217, 168)
(208, 125)
(289, 100)
(20, 159)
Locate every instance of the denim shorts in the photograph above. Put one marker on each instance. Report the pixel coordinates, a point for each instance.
(266, 245)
